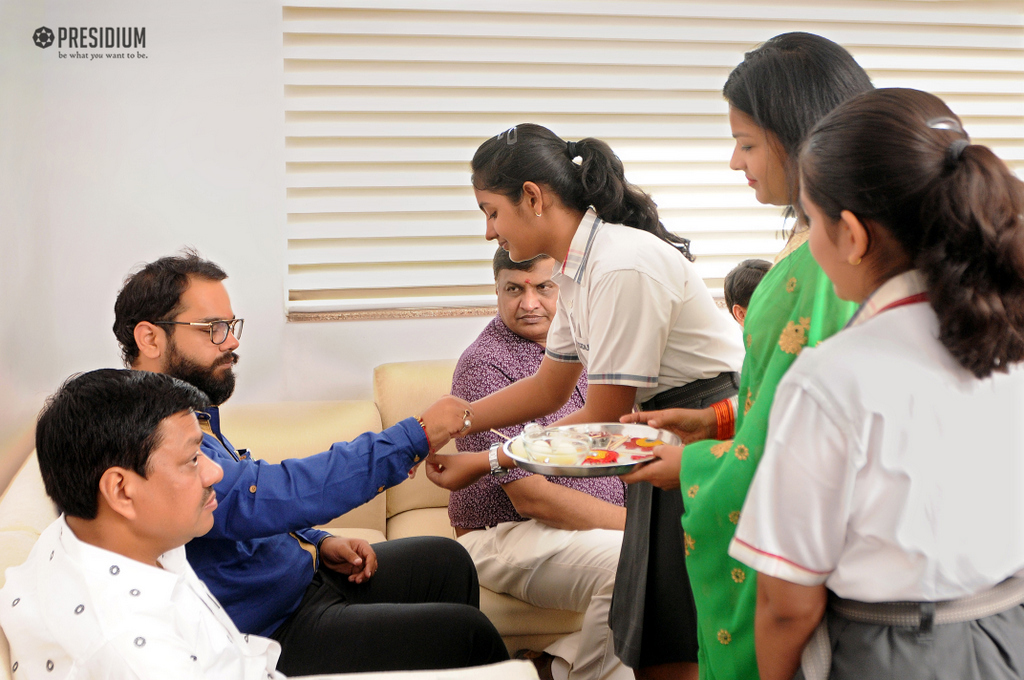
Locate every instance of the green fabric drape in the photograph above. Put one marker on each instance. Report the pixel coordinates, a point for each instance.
(793, 307)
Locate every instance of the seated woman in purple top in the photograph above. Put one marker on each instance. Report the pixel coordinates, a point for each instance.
(551, 541)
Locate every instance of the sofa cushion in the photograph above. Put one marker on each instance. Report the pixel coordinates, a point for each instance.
(406, 389)
(296, 429)
(368, 535)
(421, 522)
(24, 512)
(515, 617)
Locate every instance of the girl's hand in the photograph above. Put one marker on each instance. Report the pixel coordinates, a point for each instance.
(456, 471)
(662, 472)
(688, 424)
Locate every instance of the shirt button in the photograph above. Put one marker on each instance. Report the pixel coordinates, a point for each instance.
(380, 490)
(252, 489)
(416, 459)
(49, 665)
(140, 642)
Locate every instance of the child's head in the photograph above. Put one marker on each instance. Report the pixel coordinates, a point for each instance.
(740, 284)
(509, 167)
(782, 88)
(890, 182)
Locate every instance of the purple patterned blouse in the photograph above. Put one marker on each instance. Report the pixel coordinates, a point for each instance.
(495, 360)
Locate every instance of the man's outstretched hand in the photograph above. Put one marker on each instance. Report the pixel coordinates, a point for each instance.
(351, 556)
(446, 418)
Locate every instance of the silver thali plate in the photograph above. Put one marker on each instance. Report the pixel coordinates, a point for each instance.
(622, 436)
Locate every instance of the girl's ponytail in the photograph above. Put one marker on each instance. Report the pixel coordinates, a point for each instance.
(900, 161)
(603, 185)
(972, 255)
(533, 153)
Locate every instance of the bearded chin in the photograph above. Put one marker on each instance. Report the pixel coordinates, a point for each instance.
(205, 379)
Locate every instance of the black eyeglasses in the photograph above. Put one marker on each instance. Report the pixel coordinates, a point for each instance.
(218, 329)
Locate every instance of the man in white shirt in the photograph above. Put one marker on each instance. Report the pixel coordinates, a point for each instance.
(106, 591)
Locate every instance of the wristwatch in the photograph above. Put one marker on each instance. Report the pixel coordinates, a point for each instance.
(492, 457)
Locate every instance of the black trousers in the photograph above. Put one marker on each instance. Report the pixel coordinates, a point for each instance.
(653, 616)
(419, 611)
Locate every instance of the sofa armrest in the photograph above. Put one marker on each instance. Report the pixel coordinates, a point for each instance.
(25, 512)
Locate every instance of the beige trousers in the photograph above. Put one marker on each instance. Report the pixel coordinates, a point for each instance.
(558, 569)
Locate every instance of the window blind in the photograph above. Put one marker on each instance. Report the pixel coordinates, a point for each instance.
(386, 101)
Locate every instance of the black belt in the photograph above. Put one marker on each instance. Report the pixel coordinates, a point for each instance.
(691, 392)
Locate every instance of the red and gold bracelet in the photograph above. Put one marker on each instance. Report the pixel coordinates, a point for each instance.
(430, 447)
(725, 418)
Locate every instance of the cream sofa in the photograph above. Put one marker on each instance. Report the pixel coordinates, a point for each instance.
(282, 430)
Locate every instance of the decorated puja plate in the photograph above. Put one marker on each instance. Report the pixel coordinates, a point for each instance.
(586, 450)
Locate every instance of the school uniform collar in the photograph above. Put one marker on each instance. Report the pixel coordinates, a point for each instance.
(910, 286)
(579, 249)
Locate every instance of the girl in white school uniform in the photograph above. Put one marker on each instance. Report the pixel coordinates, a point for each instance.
(888, 504)
(634, 313)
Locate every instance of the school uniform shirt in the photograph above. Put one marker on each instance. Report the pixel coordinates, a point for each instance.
(635, 312)
(74, 610)
(890, 473)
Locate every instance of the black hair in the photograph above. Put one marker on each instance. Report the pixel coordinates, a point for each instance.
(900, 161)
(102, 419)
(788, 84)
(503, 261)
(742, 280)
(153, 294)
(533, 153)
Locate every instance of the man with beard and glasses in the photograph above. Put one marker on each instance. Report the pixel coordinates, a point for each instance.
(335, 604)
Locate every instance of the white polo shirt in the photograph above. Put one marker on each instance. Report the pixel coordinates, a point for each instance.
(890, 473)
(73, 610)
(635, 312)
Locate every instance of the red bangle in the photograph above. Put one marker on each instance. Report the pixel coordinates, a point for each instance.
(725, 418)
(430, 448)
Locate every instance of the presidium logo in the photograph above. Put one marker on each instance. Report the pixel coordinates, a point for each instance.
(91, 37)
(43, 37)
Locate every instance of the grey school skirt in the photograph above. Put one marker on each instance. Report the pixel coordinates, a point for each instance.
(653, 617)
(990, 648)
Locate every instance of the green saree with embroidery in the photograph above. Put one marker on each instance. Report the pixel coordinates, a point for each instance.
(793, 307)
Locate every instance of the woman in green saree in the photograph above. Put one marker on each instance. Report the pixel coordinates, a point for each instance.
(776, 95)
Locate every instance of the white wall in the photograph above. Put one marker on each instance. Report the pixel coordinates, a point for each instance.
(105, 164)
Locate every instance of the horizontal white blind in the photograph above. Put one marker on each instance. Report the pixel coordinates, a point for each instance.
(387, 100)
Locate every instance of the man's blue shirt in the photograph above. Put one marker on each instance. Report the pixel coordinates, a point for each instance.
(260, 555)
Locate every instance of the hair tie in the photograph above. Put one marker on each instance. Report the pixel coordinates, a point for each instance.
(954, 151)
(945, 123)
(510, 135)
(570, 148)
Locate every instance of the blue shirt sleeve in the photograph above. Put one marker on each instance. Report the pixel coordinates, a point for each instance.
(313, 537)
(257, 499)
